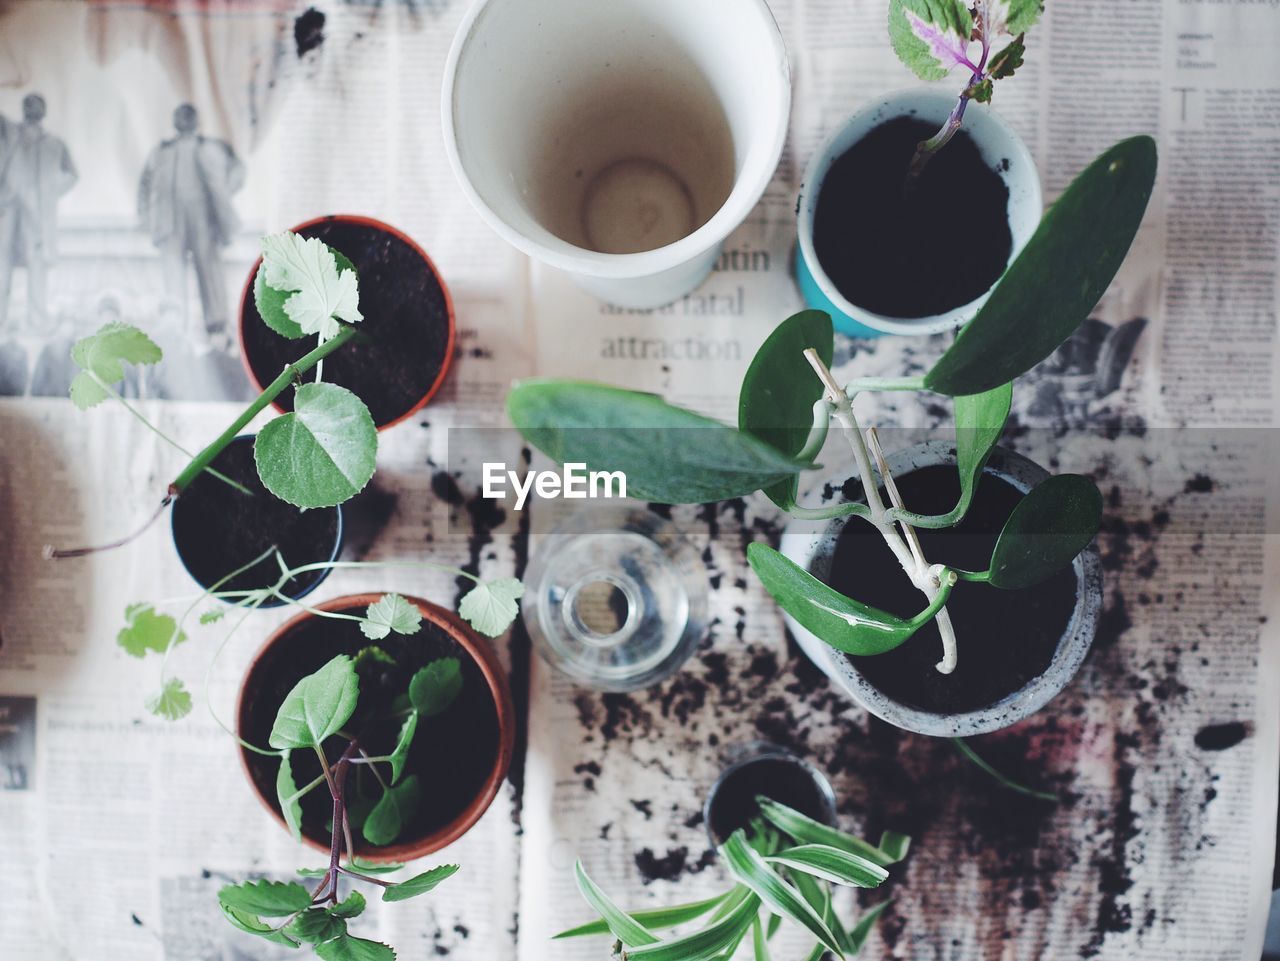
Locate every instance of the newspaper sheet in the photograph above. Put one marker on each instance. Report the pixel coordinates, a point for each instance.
(119, 828)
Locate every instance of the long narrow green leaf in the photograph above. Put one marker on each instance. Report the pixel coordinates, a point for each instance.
(895, 845)
(859, 932)
(808, 831)
(832, 864)
(753, 871)
(759, 944)
(654, 919)
(624, 927)
(711, 942)
(819, 897)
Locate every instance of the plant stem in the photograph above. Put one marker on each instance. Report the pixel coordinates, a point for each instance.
(923, 576)
(927, 149)
(52, 553)
(1012, 785)
(272, 391)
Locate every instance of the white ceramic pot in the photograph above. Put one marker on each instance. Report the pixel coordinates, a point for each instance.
(620, 141)
(996, 142)
(812, 545)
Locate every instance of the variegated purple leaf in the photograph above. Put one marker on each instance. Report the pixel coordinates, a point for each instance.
(931, 36)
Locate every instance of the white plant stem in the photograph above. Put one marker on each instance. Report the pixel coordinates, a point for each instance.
(925, 576)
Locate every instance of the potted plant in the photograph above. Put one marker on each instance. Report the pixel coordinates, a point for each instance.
(870, 200)
(241, 495)
(405, 345)
(787, 402)
(358, 749)
(785, 863)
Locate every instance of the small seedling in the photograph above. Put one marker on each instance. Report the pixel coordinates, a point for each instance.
(344, 715)
(785, 865)
(933, 37)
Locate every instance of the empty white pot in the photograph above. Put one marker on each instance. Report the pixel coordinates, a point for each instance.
(620, 141)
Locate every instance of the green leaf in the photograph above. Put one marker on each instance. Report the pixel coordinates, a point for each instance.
(212, 616)
(391, 612)
(356, 864)
(347, 948)
(980, 420)
(287, 794)
(400, 755)
(759, 946)
(353, 906)
(267, 899)
(845, 624)
(318, 706)
(652, 919)
(752, 870)
(147, 630)
(808, 831)
(371, 655)
(320, 454)
(1049, 527)
(251, 924)
(421, 884)
(818, 895)
(315, 925)
(433, 689)
(715, 941)
(1008, 60)
(894, 846)
(832, 864)
(1059, 276)
(103, 355)
(392, 812)
(780, 389)
(490, 606)
(668, 454)
(930, 36)
(270, 302)
(173, 701)
(859, 932)
(624, 927)
(1021, 16)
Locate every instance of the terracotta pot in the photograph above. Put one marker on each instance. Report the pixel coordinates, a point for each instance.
(246, 299)
(479, 651)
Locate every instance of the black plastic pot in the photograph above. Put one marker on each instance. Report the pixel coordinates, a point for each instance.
(218, 529)
(762, 768)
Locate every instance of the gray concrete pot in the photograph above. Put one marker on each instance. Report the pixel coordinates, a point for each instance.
(811, 546)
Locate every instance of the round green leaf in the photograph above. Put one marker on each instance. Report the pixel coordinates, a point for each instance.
(668, 454)
(780, 389)
(323, 452)
(1058, 278)
(270, 302)
(1045, 532)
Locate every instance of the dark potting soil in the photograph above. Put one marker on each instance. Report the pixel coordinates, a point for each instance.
(403, 338)
(734, 803)
(452, 754)
(1004, 638)
(918, 252)
(218, 529)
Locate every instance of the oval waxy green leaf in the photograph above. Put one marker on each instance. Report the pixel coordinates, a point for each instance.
(624, 927)
(420, 884)
(831, 864)
(653, 919)
(270, 302)
(980, 420)
(668, 454)
(320, 454)
(751, 869)
(1058, 278)
(318, 706)
(780, 389)
(845, 624)
(1049, 527)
